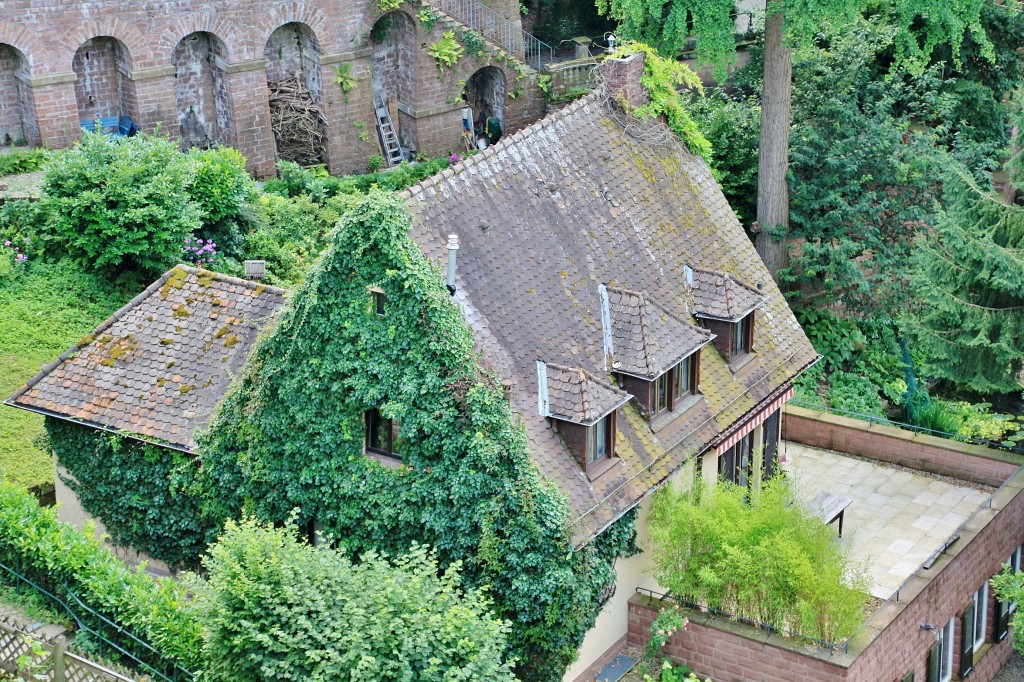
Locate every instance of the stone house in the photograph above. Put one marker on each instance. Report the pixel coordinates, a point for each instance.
(639, 337)
(207, 73)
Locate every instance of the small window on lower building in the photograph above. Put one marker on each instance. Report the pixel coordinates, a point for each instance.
(736, 464)
(940, 658)
(973, 629)
(601, 440)
(380, 300)
(383, 436)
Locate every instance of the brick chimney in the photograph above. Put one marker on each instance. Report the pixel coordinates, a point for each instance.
(622, 78)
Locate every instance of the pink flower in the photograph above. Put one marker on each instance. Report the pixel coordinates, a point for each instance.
(7, 243)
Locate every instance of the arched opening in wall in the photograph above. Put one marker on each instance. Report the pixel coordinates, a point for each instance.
(104, 87)
(201, 91)
(296, 95)
(393, 72)
(485, 94)
(17, 108)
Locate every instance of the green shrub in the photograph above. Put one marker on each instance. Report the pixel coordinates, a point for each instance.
(156, 610)
(220, 186)
(279, 609)
(289, 234)
(853, 393)
(121, 205)
(320, 186)
(758, 557)
(23, 161)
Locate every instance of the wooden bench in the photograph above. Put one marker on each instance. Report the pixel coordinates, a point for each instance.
(829, 507)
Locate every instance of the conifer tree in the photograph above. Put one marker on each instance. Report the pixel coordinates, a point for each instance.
(969, 281)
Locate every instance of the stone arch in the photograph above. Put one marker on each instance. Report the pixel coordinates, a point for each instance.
(393, 71)
(486, 93)
(201, 91)
(295, 86)
(289, 13)
(18, 124)
(23, 40)
(234, 45)
(112, 27)
(104, 87)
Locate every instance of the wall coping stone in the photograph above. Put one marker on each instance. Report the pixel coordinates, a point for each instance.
(52, 79)
(338, 57)
(905, 435)
(152, 72)
(248, 65)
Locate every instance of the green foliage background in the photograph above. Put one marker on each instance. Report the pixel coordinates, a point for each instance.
(276, 608)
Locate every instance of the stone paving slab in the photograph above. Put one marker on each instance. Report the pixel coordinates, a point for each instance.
(898, 518)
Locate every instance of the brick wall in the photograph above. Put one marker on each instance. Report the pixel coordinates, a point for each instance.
(17, 113)
(134, 53)
(892, 641)
(889, 444)
(200, 90)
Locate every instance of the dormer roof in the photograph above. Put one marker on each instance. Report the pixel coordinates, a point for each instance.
(642, 338)
(722, 296)
(573, 395)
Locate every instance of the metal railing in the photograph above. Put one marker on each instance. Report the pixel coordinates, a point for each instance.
(121, 643)
(770, 629)
(498, 29)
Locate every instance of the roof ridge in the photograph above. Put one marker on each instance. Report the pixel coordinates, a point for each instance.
(589, 377)
(515, 138)
(230, 279)
(645, 335)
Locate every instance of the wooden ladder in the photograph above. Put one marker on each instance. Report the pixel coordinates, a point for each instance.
(388, 137)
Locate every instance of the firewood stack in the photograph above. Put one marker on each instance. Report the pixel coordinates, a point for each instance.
(299, 125)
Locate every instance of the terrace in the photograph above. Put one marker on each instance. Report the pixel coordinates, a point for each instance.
(898, 518)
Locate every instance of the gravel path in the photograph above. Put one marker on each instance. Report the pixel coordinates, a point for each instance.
(1013, 671)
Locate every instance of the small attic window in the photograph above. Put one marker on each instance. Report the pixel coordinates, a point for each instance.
(670, 390)
(741, 336)
(601, 441)
(379, 299)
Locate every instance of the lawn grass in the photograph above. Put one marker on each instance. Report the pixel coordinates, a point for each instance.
(44, 310)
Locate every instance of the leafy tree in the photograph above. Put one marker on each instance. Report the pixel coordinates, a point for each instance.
(969, 280)
(121, 205)
(1009, 588)
(275, 608)
(732, 126)
(923, 25)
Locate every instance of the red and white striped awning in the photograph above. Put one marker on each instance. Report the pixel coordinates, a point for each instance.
(755, 421)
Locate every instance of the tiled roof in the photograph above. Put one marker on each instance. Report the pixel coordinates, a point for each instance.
(648, 340)
(159, 365)
(547, 215)
(722, 296)
(580, 397)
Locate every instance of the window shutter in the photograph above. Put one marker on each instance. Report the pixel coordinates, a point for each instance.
(934, 657)
(1002, 620)
(967, 641)
(771, 444)
(909, 677)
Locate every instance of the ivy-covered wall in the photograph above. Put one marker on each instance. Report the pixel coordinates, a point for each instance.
(139, 490)
(290, 436)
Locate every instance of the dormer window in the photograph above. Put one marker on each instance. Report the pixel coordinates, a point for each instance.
(601, 441)
(383, 436)
(582, 408)
(741, 336)
(670, 390)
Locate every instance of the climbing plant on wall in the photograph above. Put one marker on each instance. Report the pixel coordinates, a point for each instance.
(291, 436)
(139, 490)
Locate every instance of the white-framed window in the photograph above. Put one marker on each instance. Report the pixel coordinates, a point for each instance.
(1014, 561)
(940, 658)
(980, 616)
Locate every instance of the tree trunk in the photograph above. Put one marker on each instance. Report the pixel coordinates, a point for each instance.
(773, 160)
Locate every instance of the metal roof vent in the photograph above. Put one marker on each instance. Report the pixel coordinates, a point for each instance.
(688, 273)
(453, 248)
(255, 269)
